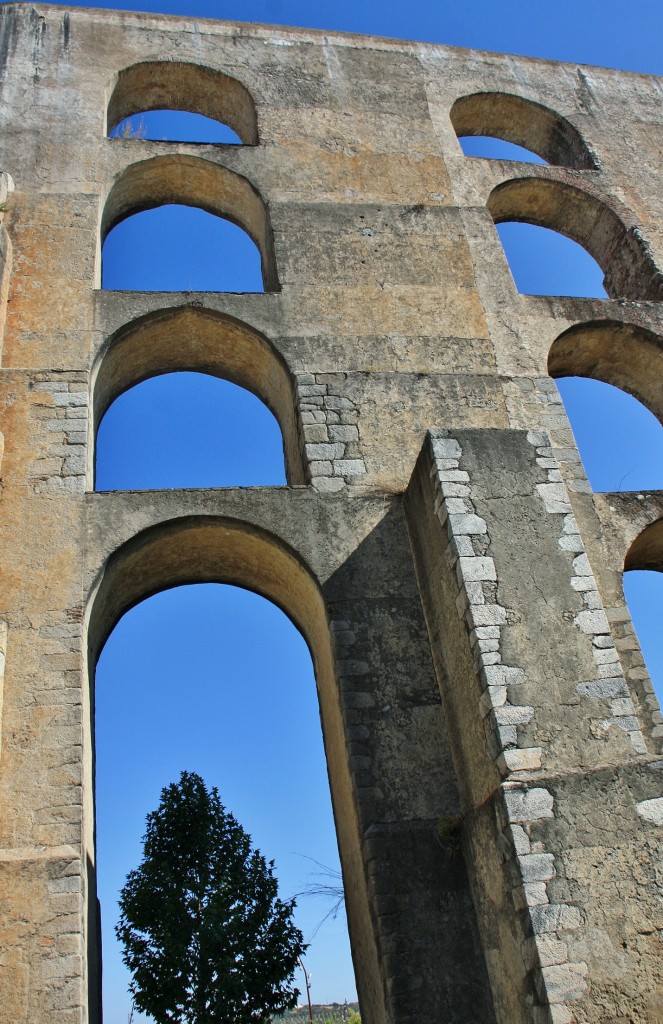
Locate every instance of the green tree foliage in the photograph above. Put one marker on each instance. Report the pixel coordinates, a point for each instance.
(205, 936)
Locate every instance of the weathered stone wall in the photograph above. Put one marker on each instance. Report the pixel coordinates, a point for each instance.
(493, 740)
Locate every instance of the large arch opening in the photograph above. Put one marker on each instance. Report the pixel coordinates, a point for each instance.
(524, 123)
(212, 549)
(181, 180)
(217, 680)
(191, 338)
(180, 85)
(629, 271)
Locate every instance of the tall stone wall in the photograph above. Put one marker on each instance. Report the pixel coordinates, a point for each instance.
(493, 742)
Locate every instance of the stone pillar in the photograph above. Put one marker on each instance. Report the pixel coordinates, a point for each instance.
(561, 795)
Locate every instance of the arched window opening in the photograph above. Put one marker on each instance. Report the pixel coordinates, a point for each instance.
(620, 442)
(543, 262)
(175, 126)
(626, 355)
(179, 248)
(621, 445)
(488, 148)
(179, 180)
(215, 549)
(215, 679)
(188, 430)
(193, 340)
(172, 85)
(628, 268)
(524, 123)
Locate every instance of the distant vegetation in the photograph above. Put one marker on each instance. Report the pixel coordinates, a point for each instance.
(323, 1013)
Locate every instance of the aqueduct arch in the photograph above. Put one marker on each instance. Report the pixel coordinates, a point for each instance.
(646, 551)
(525, 123)
(167, 84)
(623, 354)
(206, 341)
(576, 212)
(214, 549)
(495, 755)
(210, 549)
(193, 181)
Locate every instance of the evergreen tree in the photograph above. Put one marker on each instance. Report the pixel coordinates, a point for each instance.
(205, 935)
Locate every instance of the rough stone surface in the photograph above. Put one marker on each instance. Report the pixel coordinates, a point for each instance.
(493, 740)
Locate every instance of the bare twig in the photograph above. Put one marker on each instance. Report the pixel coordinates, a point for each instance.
(331, 890)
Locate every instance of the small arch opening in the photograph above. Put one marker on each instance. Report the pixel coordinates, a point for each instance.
(175, 126)
(212, 254)
(488, 148)
(620, 440)
(643, 589)
(646, 551)
(186, 181)
(628, 268)
(524, 123)
(625, 355)
(172, 85)
(215, 679)
(188, 430)
(192, 340)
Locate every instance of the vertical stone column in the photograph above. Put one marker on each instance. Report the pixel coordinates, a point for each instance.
(557, 780)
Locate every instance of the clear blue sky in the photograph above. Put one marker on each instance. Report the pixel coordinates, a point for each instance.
(184, 674)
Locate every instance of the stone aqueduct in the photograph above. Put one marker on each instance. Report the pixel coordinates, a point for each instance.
(493, 741)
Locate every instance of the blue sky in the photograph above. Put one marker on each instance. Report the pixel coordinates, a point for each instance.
(184, 674)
